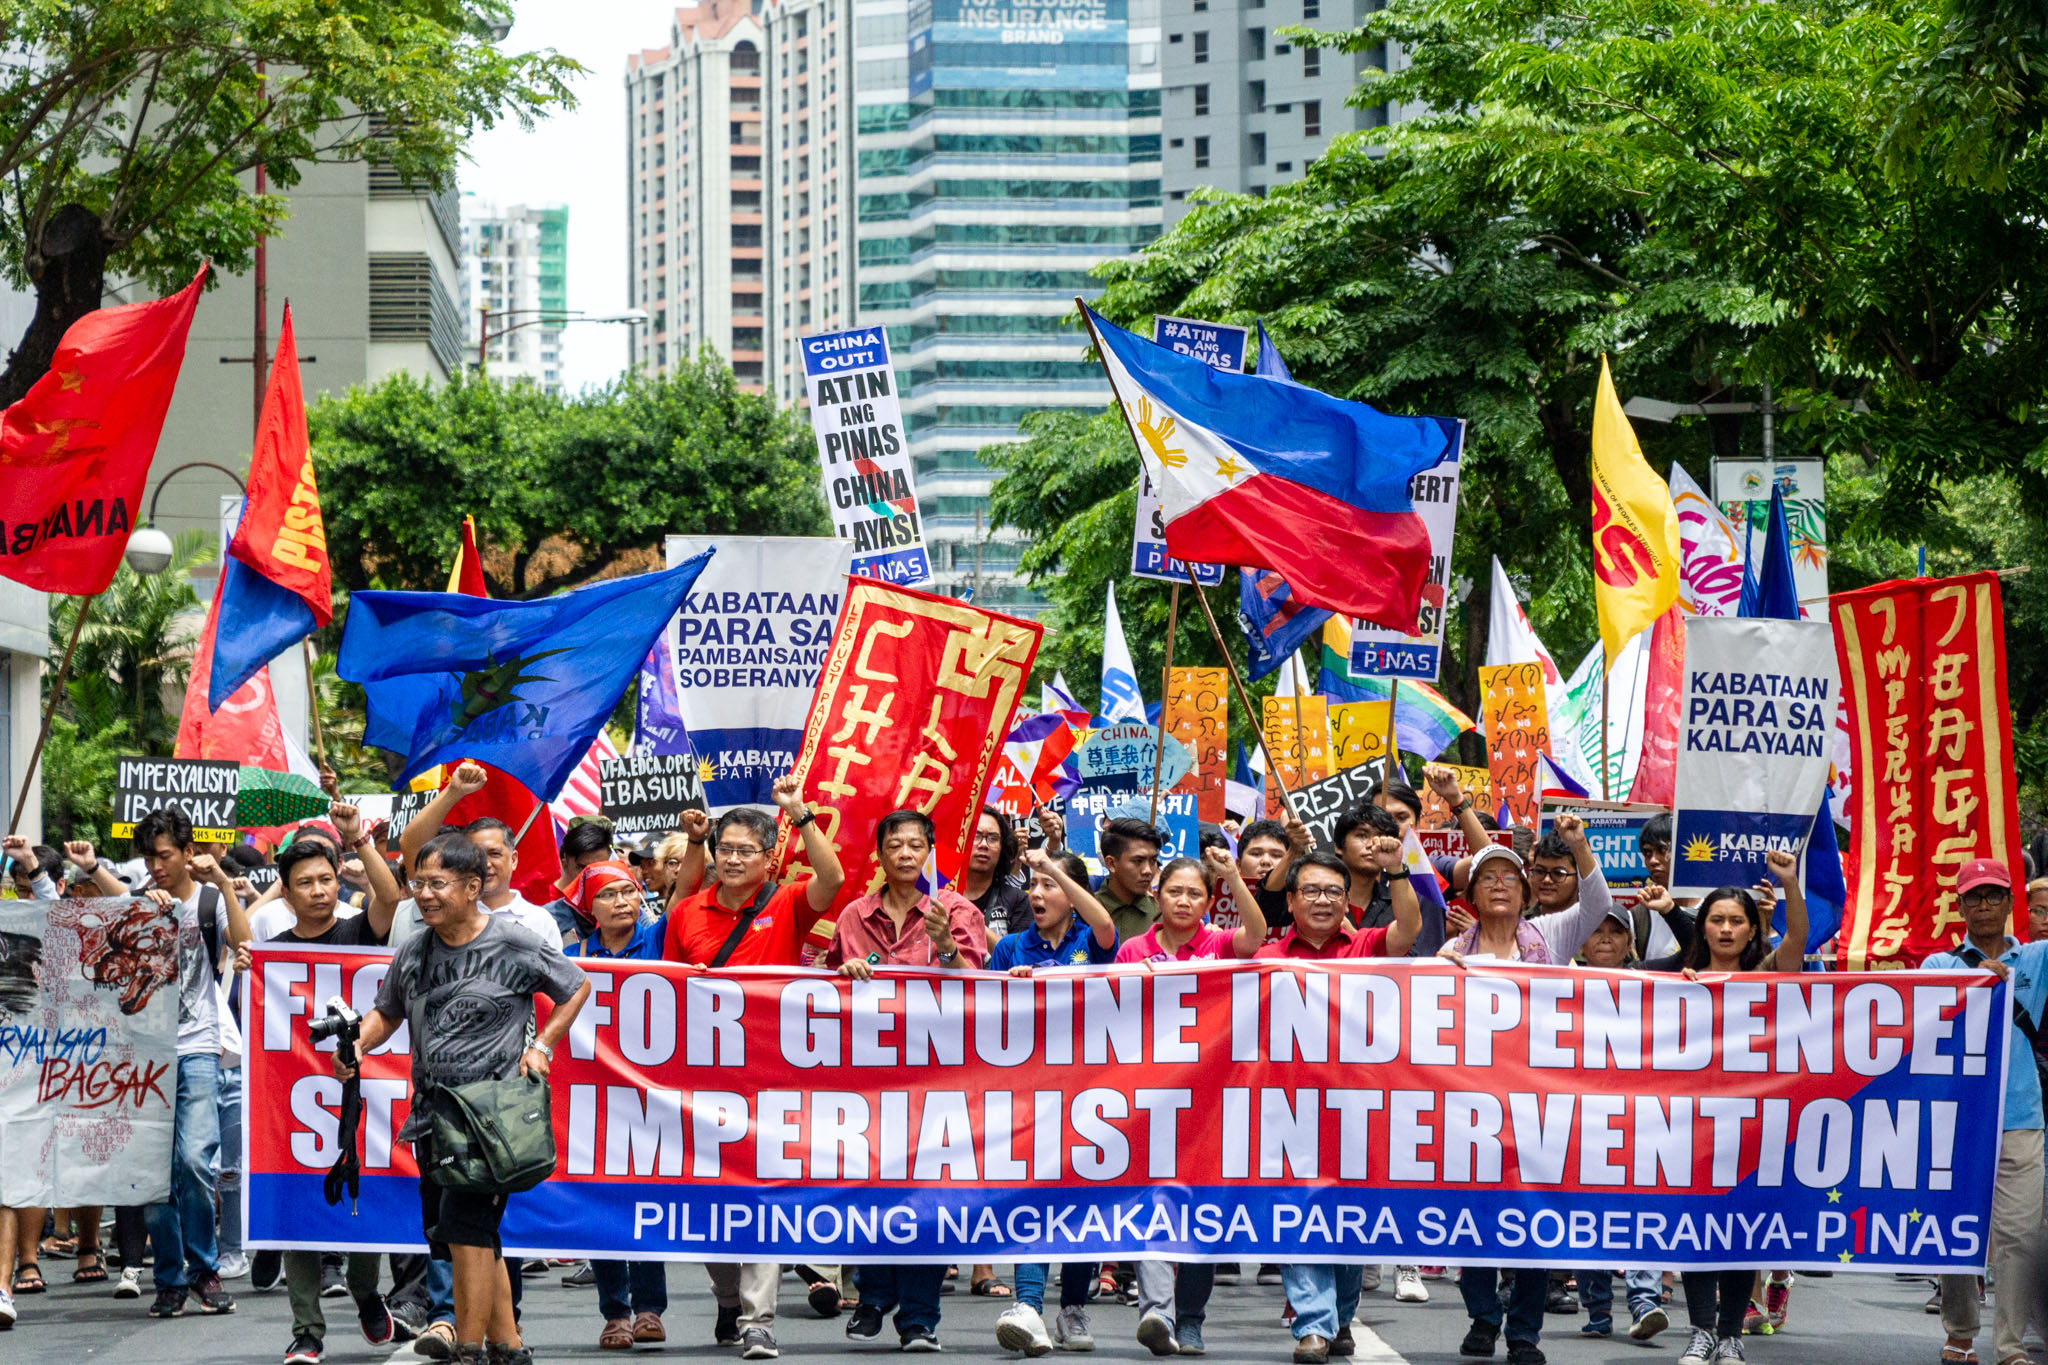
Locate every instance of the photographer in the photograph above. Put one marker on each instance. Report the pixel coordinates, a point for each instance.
(466, 985)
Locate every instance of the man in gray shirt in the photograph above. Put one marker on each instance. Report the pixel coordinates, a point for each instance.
(466, 986)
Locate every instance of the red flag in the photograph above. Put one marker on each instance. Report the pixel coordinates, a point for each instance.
(467, 576)
(1657, 770)
(75, 451)
(246, 729)
(505, 798)
(282, 535)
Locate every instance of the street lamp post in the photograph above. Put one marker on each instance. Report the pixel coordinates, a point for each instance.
(540, 317)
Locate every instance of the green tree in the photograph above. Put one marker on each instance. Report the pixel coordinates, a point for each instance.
(563, 489)
(126, 127)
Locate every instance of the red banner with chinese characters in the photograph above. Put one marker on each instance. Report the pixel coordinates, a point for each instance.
(1930, 739)
(913, 703)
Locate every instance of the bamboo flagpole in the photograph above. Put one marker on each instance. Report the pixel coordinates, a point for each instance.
(313, 705)
(1166, 686)
(49, 714)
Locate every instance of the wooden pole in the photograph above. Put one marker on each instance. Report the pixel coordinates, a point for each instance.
(49, 714)
(1393, 735)
(1166, 690)
(1603, 735)
(313, 705)
(1243, 697)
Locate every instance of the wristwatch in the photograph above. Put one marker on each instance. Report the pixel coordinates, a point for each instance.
(1464, 804)
(542, 1048)
(804, 819)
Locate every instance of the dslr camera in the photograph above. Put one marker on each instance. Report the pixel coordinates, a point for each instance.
(339, 1022)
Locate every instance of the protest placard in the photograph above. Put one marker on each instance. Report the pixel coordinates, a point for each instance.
(1320, 803)
(1222, 347)
(1130, 747)
(1452, 843)
(1478, 785)
(865, 453)
(1753, 745)
(1377, 651)
(1922, 665)
(1196, 714)
(1297, 735)
(648, 793)
(1358, 731)
(748, 644)
(1363, 1112)
(1517, 733)
(203, 788)
(88, 1052)
(1614, 831)
(1092, 805)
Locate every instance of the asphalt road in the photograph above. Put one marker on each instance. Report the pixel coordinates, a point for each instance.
(1846, 1320)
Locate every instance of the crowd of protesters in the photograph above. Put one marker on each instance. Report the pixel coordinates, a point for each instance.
(468, 945)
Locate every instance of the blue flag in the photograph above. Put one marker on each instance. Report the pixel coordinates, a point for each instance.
(1269, 362)
(1826, 891)
(522, 686)
(1274, 624)
(258, 620)
(1772, 594)
(658, 729)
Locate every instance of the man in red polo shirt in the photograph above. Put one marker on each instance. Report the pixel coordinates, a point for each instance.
(742, 919)
(1317, 889)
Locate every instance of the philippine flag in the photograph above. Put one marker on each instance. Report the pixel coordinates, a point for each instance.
(1252, 470)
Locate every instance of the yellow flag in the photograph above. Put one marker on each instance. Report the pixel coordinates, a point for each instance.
(1635, 528)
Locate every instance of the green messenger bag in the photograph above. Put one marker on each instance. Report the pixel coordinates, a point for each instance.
(494, 1137)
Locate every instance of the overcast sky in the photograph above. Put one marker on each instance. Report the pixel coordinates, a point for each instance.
(576, 158)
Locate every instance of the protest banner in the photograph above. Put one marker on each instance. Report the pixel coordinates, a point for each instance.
(1452, 843)
(1320, 803)
(1614, 832)
(88, 1052)
(648, 793)
(1196, 713)
(1297, 737)
(203, 788)
(1130, 747)
(1478, 784)
(911, 710)
(1092, 805)
(749, 641)
(1304, 1111)
(1923, 669)
(1221, 346)
(1380, 652)
(1358, 731)
(1753, 740)
(865, 454)
(1517, 732)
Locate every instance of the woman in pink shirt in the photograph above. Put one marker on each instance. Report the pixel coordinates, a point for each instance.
(1180, 935)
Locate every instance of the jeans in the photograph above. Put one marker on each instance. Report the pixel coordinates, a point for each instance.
(1596, 1292)
(625, 1288)
(229, 1107)
(302, 1283)
(1716, 1300)
(1176, 1290)
(182, 1228)
(2015, 1196)
(912, 1290)
(1325, 1297)
(1480, 1287)
(1076, 1279)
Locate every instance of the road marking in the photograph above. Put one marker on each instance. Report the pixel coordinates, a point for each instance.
(1372, 1350)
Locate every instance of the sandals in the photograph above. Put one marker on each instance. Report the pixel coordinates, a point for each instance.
(96, 1273)
(1954, 1352)
(616, 1336)
(28, 1278)
(989, 1287)
(59, 1248)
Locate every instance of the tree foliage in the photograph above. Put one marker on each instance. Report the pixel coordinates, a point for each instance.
(1841, 199)
(563, 489)
(127, 126)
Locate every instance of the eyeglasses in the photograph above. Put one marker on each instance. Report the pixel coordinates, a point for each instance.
(438, 888)
(737, 851)
(982, 836)
(1551, 874)
(617, 891)
(1320, 893)
(1977, 900)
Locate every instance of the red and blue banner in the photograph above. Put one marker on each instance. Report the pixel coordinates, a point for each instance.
(1372, 1111)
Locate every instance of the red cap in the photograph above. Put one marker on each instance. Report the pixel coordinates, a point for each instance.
(1982, 872)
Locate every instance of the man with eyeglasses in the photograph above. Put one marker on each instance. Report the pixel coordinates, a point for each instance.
(1984, 893)
(742, 919)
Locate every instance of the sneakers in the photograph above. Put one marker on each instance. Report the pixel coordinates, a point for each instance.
(1756, 1322)
(726, 1331)
(1561, 1301)
(1070, 1330)
(1020, 1328)
(1778, 1299)
(1647, 1325)
(1408, 1286)
(169, 1302)
(1729, 1348)
(7, 1308)
(1311, 1350)
(266, 1271)
(1701, 1351)
(212, 1298)
(304, 1350)
(533, 1265)
(864, 1325)
(1269, 1274)
(1344, 1344)
(582, 1277)
(1189, 1335)
(1368, 1278)
(129, 1286)
(920, 1340)
(373, 1315)
(1525, 1353)
(234, 1266)
(498, 1353)
(1228, 1272)
(1479, 1341)
(1155, 1334)
(758, 1343)
(1598, 1327)
(332, 1283)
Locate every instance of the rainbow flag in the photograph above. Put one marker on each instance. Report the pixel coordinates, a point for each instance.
(1425, 723)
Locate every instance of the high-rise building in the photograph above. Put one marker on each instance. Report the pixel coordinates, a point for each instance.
(515, 267)
(1247, 109)
(740, 220)
(949, 169)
